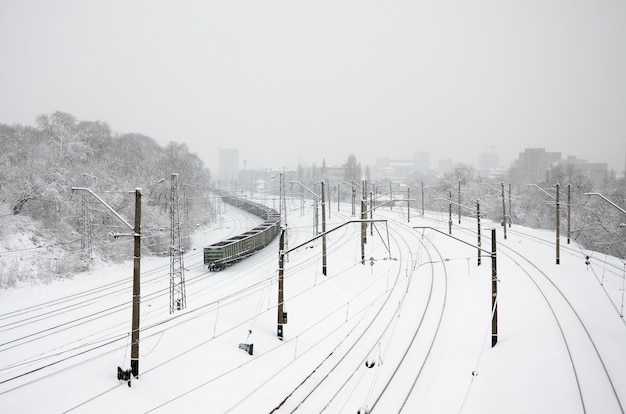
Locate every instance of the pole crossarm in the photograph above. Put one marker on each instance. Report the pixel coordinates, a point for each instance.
(435, 192)
(545, 192)
(306, 188)
(492, 187)
(490, 254)
(457, 204)
(333, 229)
(115, 213)
(607, 200)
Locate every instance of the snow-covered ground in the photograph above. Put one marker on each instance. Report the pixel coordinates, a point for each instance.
(409, 330)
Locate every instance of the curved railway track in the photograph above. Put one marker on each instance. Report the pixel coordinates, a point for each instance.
(578, 342)
(360, 358)
(577, 339)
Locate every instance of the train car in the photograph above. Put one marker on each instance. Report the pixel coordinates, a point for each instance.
(226, 252)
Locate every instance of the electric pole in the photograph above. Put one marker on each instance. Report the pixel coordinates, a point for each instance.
(459, 201)
(450, 211)
(510, 206)
(422, 198)
(178, 299)
(478, 229)
(494, 291)
(134, 350)
(363, 231)
(283, 210)
(558, 225)
(85, 241)
(408, 204)
(503, 211)
(282, 315)
(323, 229)
(569, 212)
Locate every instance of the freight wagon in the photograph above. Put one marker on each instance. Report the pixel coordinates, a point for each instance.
(226, 252)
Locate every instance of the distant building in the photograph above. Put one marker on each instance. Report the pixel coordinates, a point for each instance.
(534, 164)
(596, 171)
(228, 164)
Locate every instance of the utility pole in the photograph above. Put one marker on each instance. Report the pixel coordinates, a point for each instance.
(85, 241)
(478, 229)
(408, 204)
(372, 212)
(364, 197)
(283, 209)
(459, 201)
(450, 211)
(134, 351)
(510, 206)
(282, 315)
(178, 300)
(558, 225)
(390, 196)
(316, 220)
(422, 198)
(494, 291)
(363, 231)
(503, 210)
(323, 230)
(338, 198)
(569, 212)
(494, 279)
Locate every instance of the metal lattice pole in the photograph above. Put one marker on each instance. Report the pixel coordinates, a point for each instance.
(178, 299)
(85, 241)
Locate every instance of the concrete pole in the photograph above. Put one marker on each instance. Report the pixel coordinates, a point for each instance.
(459, 202)
(408, 204)
(558, 225)
(478, 229)
(450, 211)
(134, 350)
(569, 212)
(282, 316)
(323, 230)
(363, 231)
(503, 212)
(494, 290)
(510, 206)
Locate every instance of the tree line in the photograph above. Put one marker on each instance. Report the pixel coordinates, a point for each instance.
(40, 164)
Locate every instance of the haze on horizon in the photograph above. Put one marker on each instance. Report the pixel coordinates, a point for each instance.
(288, 82)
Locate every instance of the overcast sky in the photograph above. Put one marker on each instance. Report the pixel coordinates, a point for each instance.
(288, 81)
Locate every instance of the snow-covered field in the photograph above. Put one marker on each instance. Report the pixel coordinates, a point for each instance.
(409, 330)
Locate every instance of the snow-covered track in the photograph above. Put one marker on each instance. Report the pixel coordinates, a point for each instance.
(417, 352)
(323, 378)
(576, 337)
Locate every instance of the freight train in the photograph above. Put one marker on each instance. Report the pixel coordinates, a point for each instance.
(226, 252)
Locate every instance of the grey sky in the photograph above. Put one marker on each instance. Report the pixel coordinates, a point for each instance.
(288, 81)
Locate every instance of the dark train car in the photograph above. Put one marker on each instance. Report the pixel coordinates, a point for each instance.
(226, 252)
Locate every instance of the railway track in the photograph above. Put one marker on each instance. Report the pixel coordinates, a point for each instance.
(372, 383)
(587, 362)
(592, 380)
